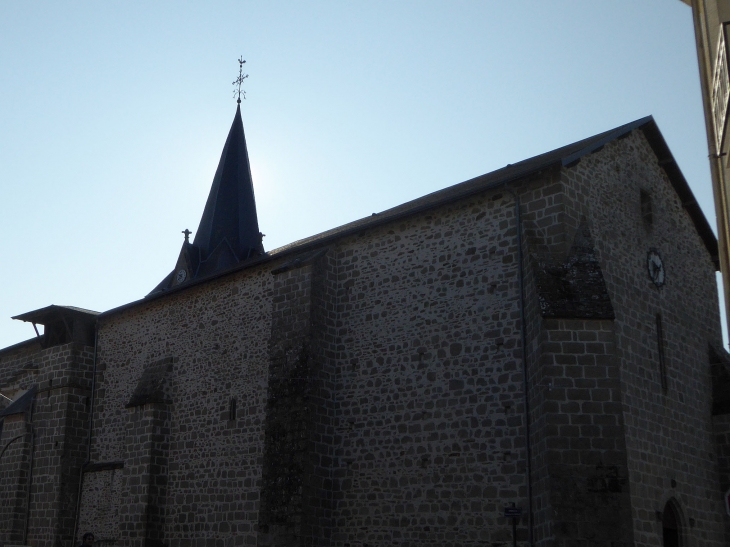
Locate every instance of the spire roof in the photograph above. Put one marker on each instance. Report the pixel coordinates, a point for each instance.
(230, 212)
(229, 229)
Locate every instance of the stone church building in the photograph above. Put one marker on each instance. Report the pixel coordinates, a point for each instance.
(536, 351)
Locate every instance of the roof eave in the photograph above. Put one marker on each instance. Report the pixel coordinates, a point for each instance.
(41, 315)
(36, 340)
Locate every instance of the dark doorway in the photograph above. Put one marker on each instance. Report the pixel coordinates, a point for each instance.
(671, 526)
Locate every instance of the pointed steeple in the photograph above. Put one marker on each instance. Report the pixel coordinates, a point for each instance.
(229, 229)
(230, 213)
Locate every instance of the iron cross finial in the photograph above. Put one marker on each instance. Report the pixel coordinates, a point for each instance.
(239, 81)
(187, 234)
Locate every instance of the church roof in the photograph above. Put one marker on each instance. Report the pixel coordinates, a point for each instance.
(230, 212)
(21, 404)
(229, 230)
(565, 156)
(53, 312)
(62, 324)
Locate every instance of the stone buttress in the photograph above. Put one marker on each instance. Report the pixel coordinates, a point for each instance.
(43, 440)
(144, 478)
(297, 483)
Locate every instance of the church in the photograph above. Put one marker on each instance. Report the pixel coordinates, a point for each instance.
(532, 357)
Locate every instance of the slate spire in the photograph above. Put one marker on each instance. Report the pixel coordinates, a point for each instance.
(230, 212)
(229, 229)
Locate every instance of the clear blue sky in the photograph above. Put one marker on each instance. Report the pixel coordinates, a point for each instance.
(113, 116)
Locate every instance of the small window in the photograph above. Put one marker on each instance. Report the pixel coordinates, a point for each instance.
(660, 351)
(646, 210)
(232, 409)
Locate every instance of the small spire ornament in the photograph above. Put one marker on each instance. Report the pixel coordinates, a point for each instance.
(187, 233)
(239, 81)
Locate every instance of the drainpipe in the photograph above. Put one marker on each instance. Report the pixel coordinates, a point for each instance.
(30, 474)
(523, 336)
(88, 440)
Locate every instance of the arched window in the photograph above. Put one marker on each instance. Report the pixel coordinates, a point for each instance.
(671, 526)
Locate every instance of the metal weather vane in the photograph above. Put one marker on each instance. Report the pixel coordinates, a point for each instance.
(239, 81)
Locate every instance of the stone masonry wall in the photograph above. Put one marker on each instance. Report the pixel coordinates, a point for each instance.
(17, 367)
(429, 383)
(60, 418)
(14, 467)
(288, 411)
(323, 486)
(581, 471)
(543, 219)
(423, 438)
(721, 430)
(297, 488)
(668, 433)
(100, 500)
(54, 449)
(18, 373)
(218, 333)
(13, 357)
(144, 479)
